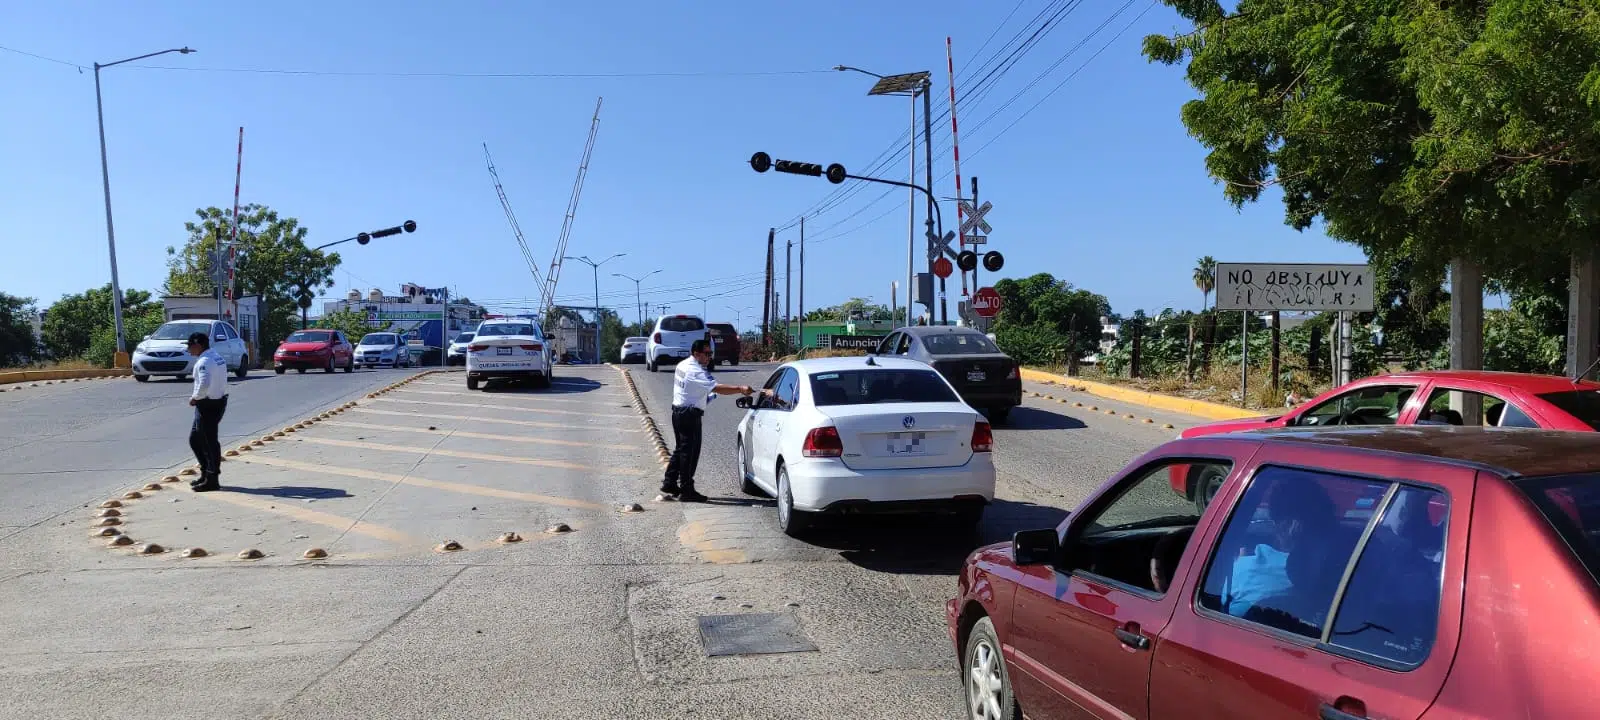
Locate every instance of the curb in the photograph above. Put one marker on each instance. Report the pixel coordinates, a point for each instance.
(21, 376)
(645, 419)
(1196, 408)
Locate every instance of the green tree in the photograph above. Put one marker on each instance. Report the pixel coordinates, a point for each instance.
(17, 344)
(70, 323)
(855, 307)
(1040, 312)
(137, 322)
(353, 323)
(1426, 131)
(1205, 278)
(272, 262)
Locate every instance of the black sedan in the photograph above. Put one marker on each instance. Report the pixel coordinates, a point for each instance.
(986, 378)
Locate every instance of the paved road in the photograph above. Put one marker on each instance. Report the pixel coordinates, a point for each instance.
(601, 621)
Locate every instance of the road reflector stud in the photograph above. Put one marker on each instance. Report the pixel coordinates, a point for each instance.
(108, 522)
(232, 453)
(251, 554)
(279, 434)
(1094, 407)
(111, 504)
(153, 486)
(1049, 397)
(1167, 426)
(1129, 416)
(1077, 404)
(315, 554)
(190, 472)
(132, 495)
(432, 427)
(107, 532)
(244, 448)
(171, 479)
(193, 552)
(151, 549)
(1111, 412)
(448, 546)
(256, 443)
(507, 538)
(558, 528)
(664, 498)
(109, 512)
(1148, 421)
(120, 541)
(632, 508)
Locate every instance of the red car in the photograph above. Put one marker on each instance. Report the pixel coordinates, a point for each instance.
(1331, 578)
(313, 349)
(1445, 397)
(725, 345)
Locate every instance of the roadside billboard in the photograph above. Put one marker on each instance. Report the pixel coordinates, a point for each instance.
(1294, 286)
(854, 342)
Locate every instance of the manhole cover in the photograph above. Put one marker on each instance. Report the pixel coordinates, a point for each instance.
(752, 634)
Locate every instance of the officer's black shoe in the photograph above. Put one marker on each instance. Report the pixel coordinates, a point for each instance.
(206, 485)
(692, 496)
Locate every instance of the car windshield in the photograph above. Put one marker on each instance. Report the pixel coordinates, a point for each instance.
(464, 337)
(681, 324)
(498, 329)
(1572, 504)
(309, 337)
(1581, 404)
(867, 387)
(967, 343)
(179, 331)
(378, 339)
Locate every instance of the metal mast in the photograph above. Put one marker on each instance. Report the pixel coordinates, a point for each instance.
(533, 265)
(547, 298)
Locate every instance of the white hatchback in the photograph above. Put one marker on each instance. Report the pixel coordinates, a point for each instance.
(508, 349)
(864, 435)
(672, 338)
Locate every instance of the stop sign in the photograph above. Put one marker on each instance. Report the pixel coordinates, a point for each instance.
(986, 302)
(941, 267)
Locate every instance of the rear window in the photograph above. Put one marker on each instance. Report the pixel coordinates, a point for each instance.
(722, 330)
(866, 387)
(1581, 404)
(500, 329)
(1572, 504)
(682, 324)
(959, 344)
(308, 336)
(464, 337)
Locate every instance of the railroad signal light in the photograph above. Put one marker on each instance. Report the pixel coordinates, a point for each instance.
(363, 238)
(967, 260)
(993, 261)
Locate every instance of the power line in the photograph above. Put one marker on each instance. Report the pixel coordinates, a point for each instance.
(486, 75)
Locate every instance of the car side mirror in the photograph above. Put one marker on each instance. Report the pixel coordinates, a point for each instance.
(743, 403)
(1035, 547)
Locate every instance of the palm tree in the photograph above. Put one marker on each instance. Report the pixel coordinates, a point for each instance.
(1205, 278)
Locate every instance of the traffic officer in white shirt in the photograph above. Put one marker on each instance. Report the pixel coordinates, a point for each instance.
(693, 389)
(210, 400)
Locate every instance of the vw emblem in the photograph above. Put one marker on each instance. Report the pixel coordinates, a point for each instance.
(909, 422)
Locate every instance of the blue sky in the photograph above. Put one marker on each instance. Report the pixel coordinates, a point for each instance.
(1098, 184)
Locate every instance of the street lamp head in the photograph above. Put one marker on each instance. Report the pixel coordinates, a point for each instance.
(186, 50)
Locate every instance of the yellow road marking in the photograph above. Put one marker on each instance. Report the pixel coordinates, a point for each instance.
(481, 436)
(498, 421)
(460, 454)
(318, 517)
(424, 482)
(508, 407)
(693, 535)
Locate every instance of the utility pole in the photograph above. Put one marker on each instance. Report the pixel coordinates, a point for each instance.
(927, 145)
(766, 305)
(975, 249)
(788, 297)
(802, 300)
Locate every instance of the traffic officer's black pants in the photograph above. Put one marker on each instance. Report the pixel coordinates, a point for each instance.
(685, 451)
(203, 436)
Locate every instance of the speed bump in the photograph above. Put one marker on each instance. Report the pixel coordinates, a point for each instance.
(106, 532)
(108, 522)
(257, 443)
(120, 541)
(244, 448)
(1148, 421)
(558, 528)
(315, 554)
(1111, 412)
(170, 479)
(152, 486)
(1167, 426)
(1092, 407)
(109, 512)
(251, 554)
(151, 549)
(1077, 404)
(132, 495)
(448, 546)
(190, 471)
(632, 508)
(111, 504)
(193, 552)
(506, 538)
(232, 453)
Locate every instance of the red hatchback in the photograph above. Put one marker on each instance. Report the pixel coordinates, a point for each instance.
(314, 349)
(1331, 578)
(1445, 397)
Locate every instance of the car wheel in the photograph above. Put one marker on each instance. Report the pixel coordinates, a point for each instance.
(302, 371)
(734, 363)
(472, 383)
(650, 365)
(542, 382)
(142, 378)
(967, 520)
(985, 682)
(1204, 484)
(330, 367)
(793, 522)
(244, 368)
(279, 370)
(999, 415)
(747, 483)
(350, 367)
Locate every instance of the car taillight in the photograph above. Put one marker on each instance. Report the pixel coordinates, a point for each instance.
(982, 437)
(823, 442)
(658, 338)
(535, 347)
(1012, 375)
(475, 347)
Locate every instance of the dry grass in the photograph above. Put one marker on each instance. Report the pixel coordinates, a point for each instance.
(1222, 385)
(75, 364)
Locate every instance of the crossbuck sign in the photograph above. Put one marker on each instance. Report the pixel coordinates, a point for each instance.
(974, 219)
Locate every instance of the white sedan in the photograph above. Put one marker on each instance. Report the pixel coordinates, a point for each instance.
(512, 349)
(862, 435)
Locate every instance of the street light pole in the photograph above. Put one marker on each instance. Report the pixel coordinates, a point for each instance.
(638, 304)
(105, 183)
(596, 266)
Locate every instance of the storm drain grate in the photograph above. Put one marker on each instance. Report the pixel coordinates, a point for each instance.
(752, 634)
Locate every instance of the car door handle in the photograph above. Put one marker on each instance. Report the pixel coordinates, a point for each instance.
(1329, 712)
(1132, 639)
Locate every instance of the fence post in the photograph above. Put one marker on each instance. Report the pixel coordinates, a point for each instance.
(1138, 333)
(1188, 355)
(1276, 367)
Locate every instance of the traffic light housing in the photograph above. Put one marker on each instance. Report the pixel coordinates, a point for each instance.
(798, 168)
(761, 162)
(836, 173)
(409, 226)
(363, 238)
(967, 260)
(993, 261)
(386, 232)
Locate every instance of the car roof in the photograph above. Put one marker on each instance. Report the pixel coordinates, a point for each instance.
(1528, 382)
(1510, 452)
(858, 362)
(926, 330)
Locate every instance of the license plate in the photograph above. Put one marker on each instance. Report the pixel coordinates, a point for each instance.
(977, 376)
(908, 443)
(502, 351)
